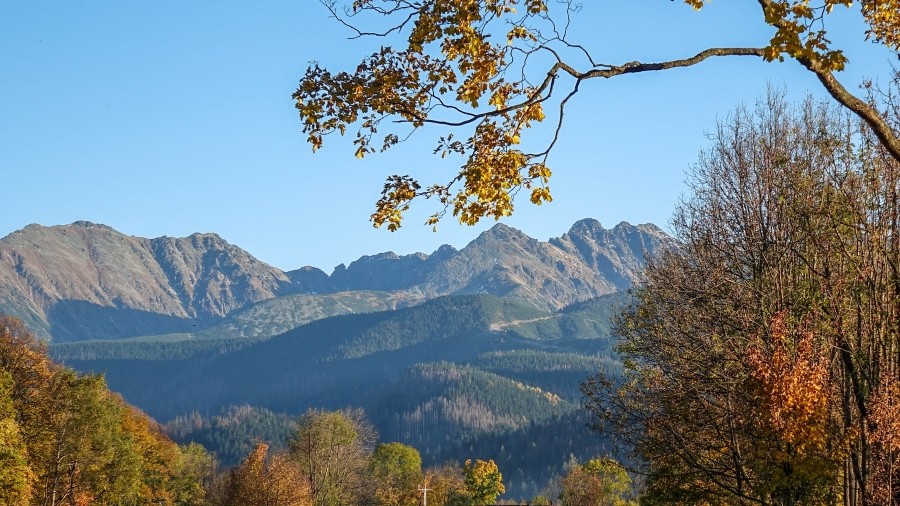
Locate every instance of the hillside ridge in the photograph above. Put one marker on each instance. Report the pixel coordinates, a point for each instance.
(88, 281)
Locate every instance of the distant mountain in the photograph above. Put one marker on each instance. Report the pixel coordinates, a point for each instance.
(476, 352)
(587, 261)
(87, 281)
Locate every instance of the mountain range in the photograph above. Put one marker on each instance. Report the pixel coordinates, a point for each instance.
(88, 281)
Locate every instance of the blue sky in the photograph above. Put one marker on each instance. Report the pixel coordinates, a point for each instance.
(173, 117)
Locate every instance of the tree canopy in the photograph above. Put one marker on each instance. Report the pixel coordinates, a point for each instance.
(332, 449)
(397, 470)
(66, 439)
(762, 355)
(492, 69)
(600, 481)
(483, 481)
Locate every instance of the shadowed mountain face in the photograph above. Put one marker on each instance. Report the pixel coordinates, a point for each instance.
(88, 281)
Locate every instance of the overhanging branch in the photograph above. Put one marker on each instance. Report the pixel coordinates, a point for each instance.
(865, 111)
(628, 68)
(635, 66)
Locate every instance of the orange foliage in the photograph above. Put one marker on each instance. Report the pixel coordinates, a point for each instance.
(801, 456)
(884, 435)
(792, 378)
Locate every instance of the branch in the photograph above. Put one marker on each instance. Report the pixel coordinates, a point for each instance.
(635, 67)
(628, 68)
(867, 112)
(536, 97)
(330, 5)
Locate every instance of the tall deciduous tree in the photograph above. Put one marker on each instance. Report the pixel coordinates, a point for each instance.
(483, 481)
(332, 449)
(494, 68)
(66, 439)
(194, 475)
(762, 353)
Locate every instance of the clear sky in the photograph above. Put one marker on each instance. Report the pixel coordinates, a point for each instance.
(174, 117)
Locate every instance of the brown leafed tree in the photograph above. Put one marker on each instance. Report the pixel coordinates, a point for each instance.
(884, 429)
(332, 449)
(269, 480)
(760, 354)
(488, 70)
(445, 484)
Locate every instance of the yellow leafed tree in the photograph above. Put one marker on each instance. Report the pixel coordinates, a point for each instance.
(488, 70)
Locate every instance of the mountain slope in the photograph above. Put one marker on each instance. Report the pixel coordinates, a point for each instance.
(450, 376)
(87, 281)
(333, 362)
(587, 261)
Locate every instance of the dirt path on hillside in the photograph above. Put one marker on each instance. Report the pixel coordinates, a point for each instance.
(500, 326)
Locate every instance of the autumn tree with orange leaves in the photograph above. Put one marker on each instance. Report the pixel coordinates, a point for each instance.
(789, 380)
(486, 71)
(265, 479)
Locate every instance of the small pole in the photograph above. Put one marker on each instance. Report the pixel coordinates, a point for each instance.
(424, 489)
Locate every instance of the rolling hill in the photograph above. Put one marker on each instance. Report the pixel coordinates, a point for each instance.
(447, 376)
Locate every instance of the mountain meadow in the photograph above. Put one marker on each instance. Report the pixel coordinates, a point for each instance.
(461, 366)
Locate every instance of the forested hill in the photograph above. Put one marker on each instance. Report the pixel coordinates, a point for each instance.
(447, 376)
(348, 359)
(87, 281)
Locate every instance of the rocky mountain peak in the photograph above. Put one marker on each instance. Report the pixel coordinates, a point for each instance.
(89, 225)
(588, 224)
(87, 280)
(443, 253)
(502, 232)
